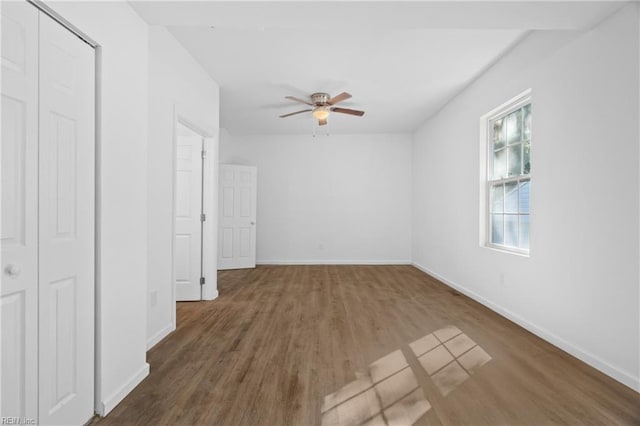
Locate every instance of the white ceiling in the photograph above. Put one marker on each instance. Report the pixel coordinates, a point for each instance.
(401, 61)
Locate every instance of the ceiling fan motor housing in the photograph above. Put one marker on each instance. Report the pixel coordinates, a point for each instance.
(320, 98)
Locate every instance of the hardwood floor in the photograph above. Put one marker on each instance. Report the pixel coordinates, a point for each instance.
(311, 345)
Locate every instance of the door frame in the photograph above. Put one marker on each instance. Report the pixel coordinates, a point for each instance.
(210, 202)
(97, 265)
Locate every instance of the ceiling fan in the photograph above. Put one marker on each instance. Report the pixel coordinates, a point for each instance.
(323, 105)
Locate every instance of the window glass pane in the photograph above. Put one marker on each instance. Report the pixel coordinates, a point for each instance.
(497, 198)
(511, 230)
(511, 197)
(515, 160)
(527, 123)
(497, 233)
(510, 160)
(514, 126)
(524, 231)
(498, 133)
(500, 164)
(524, 196)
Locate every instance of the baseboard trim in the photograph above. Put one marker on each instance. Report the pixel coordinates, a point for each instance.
(333, 262)
(110, 403)
(156, 338)
(212, 296)
(594, 361)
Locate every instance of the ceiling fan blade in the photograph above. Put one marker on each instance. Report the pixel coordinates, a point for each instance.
(293, 98)
(348, 111)
(339, 98)
(294, 113)
(322, 122)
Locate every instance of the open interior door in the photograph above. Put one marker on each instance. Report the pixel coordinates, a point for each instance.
(187, 249)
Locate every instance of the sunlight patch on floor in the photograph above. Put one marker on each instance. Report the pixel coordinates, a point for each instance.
(449, 357)
(390, 394)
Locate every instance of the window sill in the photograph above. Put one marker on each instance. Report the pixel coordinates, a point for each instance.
(501, 249)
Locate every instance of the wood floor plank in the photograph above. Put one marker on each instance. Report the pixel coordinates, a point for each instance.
(279, 339)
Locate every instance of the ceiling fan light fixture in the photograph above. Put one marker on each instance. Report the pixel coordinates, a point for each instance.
(321, 112)
(321, 105)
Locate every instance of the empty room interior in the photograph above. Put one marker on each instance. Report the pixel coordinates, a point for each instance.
(320, 212)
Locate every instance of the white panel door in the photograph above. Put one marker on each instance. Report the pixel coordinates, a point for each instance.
(187, 249)
(19, 287)
(237, 217)
(66, 220)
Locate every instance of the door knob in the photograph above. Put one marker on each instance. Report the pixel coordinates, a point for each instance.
(253, 223)
(13, 270)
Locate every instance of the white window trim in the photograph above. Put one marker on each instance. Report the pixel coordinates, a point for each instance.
(484, 181)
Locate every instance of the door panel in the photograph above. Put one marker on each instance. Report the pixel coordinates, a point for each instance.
(227, 243)
(227, 198)
(14, 144)
(237, 242)
(187, 256)
(63, 168)
(15, 388)
(64, 339)
(66, 226)
(246, 204)
(245, 242)
(183, 258)
(19, 287)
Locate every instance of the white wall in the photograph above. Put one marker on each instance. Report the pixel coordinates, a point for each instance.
(176, 83)
(336, 199)
(122, 194)
(579, 287)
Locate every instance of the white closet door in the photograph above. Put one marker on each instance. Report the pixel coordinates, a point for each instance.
(19, 287)
(66, 219)
(188, 227)
(237, 217)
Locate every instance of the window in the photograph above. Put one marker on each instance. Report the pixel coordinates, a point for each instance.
(508, 186)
